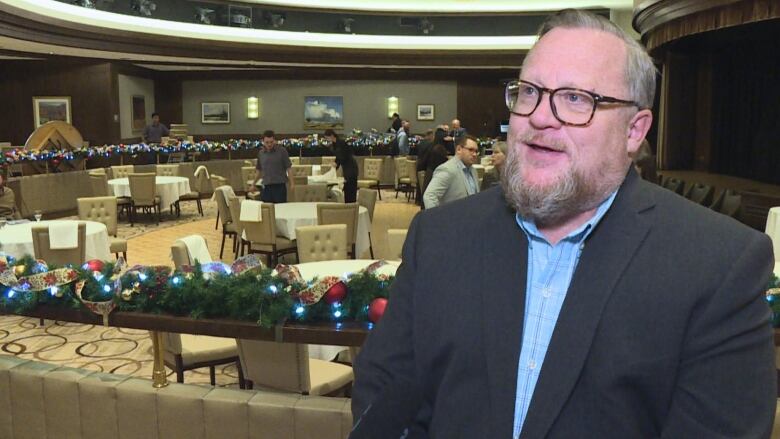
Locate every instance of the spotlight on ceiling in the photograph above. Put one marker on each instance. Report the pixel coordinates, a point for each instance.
(274, 19)
(143, 7)
(425, 26)
(345, 25)
(85, 4)
(203, 15)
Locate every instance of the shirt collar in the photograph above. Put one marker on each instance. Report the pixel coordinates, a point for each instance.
(577, 235)
(461, 165)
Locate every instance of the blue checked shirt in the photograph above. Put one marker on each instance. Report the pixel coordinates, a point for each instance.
(550, 269)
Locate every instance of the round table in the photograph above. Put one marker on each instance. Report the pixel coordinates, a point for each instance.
(17, 240)
(292, 215)
(341, 268)
(169, 188)
(773, 230)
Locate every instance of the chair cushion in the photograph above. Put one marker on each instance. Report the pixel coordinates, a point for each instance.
(200, 348)
(282, 243)
(327, 376)
(367, 183)
(406, 180)
(156, 202)
(229, 228)
(117, 245)
(190, 196)
(121, 201)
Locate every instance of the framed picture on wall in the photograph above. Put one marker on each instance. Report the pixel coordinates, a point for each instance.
(49, 108)
(323, 112)
(425, 112)
(215, 112)
(139, 113)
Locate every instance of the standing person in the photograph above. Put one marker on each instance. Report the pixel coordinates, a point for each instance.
(346, 161)
(456, 178)
(430, 160)
(403, 138)
(497, 159)
(154, 132)
(7, 201)
(592, 304)
(274, 162)
(453, 134)
(395, 124)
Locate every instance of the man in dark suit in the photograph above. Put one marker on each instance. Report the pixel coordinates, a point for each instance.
(576, 300)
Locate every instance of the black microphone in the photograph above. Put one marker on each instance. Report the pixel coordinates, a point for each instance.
(391, 414)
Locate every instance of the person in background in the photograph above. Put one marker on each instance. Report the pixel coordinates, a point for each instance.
(456, 178)
(493, 177)
(154, 132)
(424, 144)
(576, 300)
(454, 132)
(346, 161)
(644, 163)
(395, 124)
(7, 201)
(430, 160)
(403, 138)
(274, 162)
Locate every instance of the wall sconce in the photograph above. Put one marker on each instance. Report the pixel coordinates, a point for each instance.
(252, 107)
(392, 106)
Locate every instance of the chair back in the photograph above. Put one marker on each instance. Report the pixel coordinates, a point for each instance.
(700, 194)
(202, 184)
(99, 209)
(324, 169)
(401, 170)
(372, 169)
(43, 250)
(222, 208)
(248, 173)
(321, 243)
(234, 206)
(367, 199)
(167, 170)
(411, 171)
(99, 183)
(328, 161)
(142, 188)
(180, 256)
(262, 232)
(300, 180)
(280, 366)
(336, 213)
(217, 181)
(301, 170)
(675, 185)
(122, 171)
(295, 160)
(395, 242)
(310, 193)
(731, 205)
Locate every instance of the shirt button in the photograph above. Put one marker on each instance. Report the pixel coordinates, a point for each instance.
(532, 364)
(546, 291)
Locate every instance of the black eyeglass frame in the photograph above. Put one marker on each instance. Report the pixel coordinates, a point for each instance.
(597, 99)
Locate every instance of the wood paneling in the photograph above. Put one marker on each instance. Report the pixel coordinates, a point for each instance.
(89, 86)
(481, 106)
(168, 99)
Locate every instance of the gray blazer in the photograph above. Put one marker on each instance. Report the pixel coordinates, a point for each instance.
(448, 184)
(664, 332)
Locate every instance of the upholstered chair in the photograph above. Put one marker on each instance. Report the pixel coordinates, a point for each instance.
(367, 198)
(321, 243)
(324, 169)
(301, 170)
(411, 170)
(216, 181)
(372, 175)
(143, 194)
(402, 180)
(103, 210)
(234, 206)
(228, 227)
(316, 193)
(335, 213)
(122, 171)
(262, 239)
(98, 179)
(295, 160)
(395, 242)
(248, 177)
(700, 194)
(167, 170)
(72, 256)
(328, 161)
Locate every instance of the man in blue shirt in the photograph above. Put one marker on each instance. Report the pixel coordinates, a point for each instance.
(576, 300)
(403, 138)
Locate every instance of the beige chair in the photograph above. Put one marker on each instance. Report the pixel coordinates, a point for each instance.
(300, 180)
(167, 170)
(301, 170)
(228, 228)
(122, 171)
(295, 160)
(217, 181)
(402, 180)
(395, 242)
(234, 206)
(248, 177)
(143, 195)
(103, 210)
(324, 169)
(261, 237)
(335, 213)
(367, 199)
(321, 243)
(411, 170)
(328, 161)
(287, 367)
(310, 193)
(75, 256)
(372, 175)
(99, 182)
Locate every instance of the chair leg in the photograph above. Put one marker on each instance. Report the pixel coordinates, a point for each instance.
(222, 247)
(370, 246)
(379, 192)
(216, 225)
(241, 381)
(179, 368)
(213, 375)
(200, 207)
(124, 255)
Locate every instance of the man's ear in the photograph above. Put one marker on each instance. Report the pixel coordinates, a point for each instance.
(638, 127)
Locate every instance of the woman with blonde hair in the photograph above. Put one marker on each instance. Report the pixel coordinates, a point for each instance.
(493, 177)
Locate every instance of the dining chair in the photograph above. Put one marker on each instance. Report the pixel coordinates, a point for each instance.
(395, 242)
(411, 169)
(193, 195)
(324, 169)
(295, 160)
(328, 161)
(99, 182)
(234, 206)
(321, 243)
(336, 213)
(217, 181)
(103, 210)
(122, 171)
(367, 198)
(167, 170)
(675, 185)
(301, 170)
(228, 227)
(700, 194)
(316, 193)
(249, 173)
(143, 195)
(287, 367)
(372, 175)
(402, 180)
(42, 248)
(262, 238)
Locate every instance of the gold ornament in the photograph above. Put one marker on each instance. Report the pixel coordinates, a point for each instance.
(59, 292)
(19, 270)
(127, 295)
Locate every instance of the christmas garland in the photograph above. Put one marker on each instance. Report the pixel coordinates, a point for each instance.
(245, 290)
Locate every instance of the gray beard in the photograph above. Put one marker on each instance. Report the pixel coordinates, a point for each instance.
(554, 204)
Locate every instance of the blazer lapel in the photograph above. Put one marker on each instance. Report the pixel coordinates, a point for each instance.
(502, 302)
(606, 254)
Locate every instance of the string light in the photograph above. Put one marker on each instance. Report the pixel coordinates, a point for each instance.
(53, 290)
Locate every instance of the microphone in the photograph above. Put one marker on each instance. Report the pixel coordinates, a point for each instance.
(391, 414)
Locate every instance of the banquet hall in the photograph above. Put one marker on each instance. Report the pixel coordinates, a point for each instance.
(150, 274)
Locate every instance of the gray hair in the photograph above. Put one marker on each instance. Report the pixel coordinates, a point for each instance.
(640, 70)
(501, 146)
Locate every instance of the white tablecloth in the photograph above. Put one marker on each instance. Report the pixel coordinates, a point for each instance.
(342, 268)
(169, 188)
(773, 230)
(292, 215)
(16, 240)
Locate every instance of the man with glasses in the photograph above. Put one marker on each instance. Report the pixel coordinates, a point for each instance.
(456, 178)
(576, 300)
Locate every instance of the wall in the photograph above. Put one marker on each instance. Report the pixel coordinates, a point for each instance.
(365, 104)
(130, 86)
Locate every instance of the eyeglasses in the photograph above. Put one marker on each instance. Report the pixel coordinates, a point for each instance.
(571, 106)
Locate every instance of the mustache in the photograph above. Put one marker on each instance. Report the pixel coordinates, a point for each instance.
(531, 138)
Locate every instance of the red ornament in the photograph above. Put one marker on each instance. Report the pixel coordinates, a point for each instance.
(336, 293)
(377, 309)
(95, 265)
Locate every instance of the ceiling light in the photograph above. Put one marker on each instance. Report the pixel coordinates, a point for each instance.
(203, 15)
(143, 7)
(275, 20)
(345, 25)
